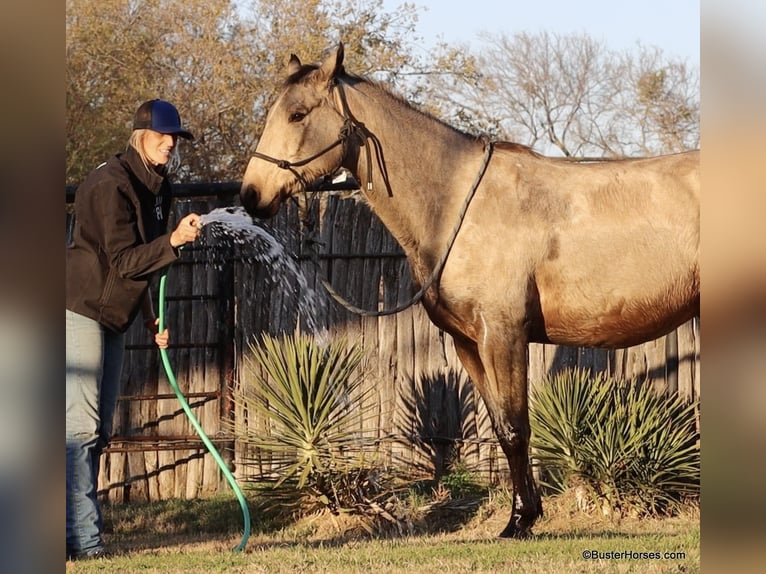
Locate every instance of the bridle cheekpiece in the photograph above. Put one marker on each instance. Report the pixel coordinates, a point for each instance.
(350, 129)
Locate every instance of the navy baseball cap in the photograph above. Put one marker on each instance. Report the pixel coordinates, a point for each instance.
(160, 116)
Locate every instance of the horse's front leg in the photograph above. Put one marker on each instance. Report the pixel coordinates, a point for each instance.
(499, 370)
(513, 432)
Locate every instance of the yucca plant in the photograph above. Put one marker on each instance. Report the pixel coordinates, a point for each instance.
(621, 440)
(310, 397)
(560, 410)
(310, 394)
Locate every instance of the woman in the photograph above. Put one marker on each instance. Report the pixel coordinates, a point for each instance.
(119, 242)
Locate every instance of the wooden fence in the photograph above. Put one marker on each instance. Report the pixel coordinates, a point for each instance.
(223, 295)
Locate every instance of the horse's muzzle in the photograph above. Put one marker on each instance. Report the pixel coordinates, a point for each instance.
(250, 199)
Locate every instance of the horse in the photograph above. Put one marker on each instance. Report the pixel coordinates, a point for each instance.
(511, 246)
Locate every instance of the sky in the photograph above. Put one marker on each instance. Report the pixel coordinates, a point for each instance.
(672, 25)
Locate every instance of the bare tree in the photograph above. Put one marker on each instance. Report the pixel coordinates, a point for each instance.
(221, 61)
(661, 103)
(569, 95)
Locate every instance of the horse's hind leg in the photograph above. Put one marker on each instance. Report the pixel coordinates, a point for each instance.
(501, 378)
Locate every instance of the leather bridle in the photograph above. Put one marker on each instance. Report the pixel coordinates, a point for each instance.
(351, 128)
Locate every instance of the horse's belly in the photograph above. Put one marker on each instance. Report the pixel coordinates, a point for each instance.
(623, 326)
(641, 295)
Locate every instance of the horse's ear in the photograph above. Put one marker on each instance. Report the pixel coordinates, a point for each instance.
(333, 65)
(293, 65)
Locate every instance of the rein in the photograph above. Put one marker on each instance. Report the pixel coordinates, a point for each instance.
(488, 147)
(351, 127)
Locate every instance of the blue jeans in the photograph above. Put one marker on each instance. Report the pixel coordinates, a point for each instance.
(93, 369)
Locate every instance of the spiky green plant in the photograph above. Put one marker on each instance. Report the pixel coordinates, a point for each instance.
(625, 442)
(311, 396)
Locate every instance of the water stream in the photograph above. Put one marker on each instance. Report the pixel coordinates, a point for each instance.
(230, 229)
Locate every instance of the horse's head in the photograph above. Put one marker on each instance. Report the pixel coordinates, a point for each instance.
(303, 139)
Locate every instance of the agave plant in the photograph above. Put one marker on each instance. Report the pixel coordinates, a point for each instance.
(311, 396)
(622, 440)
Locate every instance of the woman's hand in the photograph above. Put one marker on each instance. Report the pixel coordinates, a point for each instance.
(186, 231)
(161, 339)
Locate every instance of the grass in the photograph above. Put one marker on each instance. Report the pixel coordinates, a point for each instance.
(199, 535)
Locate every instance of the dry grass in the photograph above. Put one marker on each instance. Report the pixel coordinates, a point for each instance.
(199, 536)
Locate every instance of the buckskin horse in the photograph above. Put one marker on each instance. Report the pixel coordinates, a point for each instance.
(512, 247)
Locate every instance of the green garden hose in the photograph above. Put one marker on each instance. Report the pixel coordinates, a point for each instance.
(195, 423)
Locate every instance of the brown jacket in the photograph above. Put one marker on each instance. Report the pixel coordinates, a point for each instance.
(119, 240)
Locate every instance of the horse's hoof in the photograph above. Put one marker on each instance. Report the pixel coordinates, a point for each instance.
(516, 533)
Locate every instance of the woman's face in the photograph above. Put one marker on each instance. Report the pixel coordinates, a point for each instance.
(158, 147)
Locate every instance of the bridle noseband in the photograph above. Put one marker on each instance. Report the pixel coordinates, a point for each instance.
(351, 128)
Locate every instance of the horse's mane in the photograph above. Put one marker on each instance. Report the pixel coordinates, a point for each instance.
(305, 69)
(510, 146)
(400, 99)
(517, 147)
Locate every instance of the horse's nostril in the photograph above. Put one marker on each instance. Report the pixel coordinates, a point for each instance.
(249, 197)
(247, 190)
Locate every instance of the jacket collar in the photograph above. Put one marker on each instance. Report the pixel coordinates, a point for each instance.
(150, 178)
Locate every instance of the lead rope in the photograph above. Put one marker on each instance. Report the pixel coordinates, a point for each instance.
(488, 146)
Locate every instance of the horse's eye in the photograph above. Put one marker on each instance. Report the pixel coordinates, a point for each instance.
(297, 116)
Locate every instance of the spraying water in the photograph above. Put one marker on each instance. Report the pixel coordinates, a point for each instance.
(233, 227)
